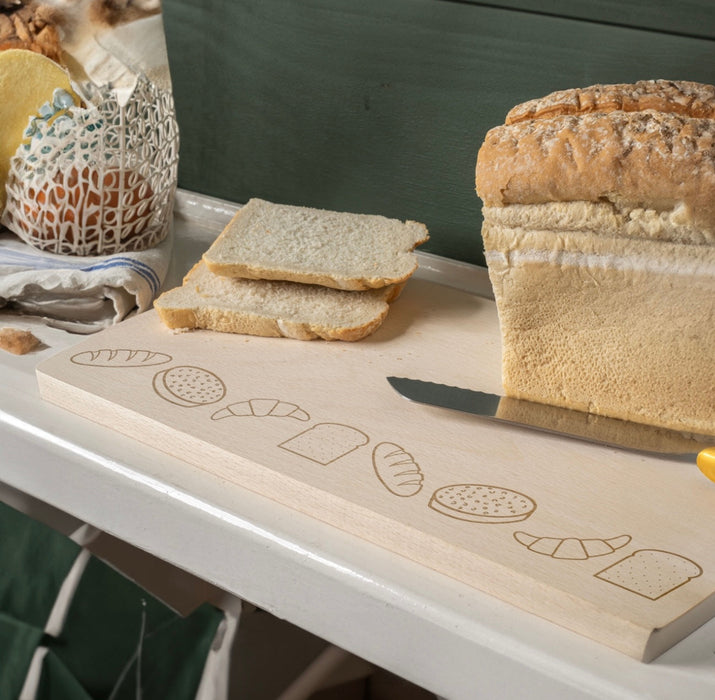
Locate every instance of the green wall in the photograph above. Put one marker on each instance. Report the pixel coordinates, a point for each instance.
(380, 106)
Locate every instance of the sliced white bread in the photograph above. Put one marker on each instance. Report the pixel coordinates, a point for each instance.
(273, 308)
(315, 246)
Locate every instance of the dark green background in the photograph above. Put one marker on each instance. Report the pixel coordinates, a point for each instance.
(379, 106)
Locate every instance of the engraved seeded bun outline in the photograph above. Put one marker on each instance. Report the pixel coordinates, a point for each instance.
(482, 503)
(189, 386)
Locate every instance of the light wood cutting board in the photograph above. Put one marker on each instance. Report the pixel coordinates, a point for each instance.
(615, 545)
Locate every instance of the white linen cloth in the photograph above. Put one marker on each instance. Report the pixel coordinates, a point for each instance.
(79, 294)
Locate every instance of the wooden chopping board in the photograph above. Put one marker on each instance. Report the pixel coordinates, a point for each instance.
(614, 545)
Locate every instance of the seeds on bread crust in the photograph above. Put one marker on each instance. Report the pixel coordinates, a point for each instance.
(675, 96)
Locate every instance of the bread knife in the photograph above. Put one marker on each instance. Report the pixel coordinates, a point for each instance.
(566, 422)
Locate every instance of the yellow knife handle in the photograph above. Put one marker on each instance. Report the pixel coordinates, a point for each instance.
(706, 462)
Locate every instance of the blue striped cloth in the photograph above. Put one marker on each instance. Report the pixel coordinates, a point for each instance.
(80, 294)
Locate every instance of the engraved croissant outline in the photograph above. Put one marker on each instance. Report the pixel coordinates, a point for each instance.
(571, 547)
(262, 407)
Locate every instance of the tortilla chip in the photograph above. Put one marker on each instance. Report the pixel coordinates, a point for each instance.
(27, 81)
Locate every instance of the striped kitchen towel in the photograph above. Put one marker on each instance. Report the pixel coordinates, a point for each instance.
(79, 294)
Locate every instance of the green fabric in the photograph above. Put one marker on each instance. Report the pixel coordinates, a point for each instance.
(110, 616)
(103, 626)
(18, 641)
(34, 561)
(58, 683)
(170, 657)
(116, 636)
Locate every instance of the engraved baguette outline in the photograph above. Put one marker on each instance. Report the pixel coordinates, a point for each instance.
(412, 484)
(112, 358)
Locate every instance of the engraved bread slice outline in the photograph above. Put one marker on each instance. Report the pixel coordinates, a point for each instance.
(482, 503)
(651, 573)
(571, 547)
(189, 386)
(262, 407)
(396, 469)
(326, 442)
(122, 357)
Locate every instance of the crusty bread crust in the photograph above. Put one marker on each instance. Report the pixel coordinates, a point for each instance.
(635, 160)
(682, 97)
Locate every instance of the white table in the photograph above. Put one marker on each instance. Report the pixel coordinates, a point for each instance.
(432, 630)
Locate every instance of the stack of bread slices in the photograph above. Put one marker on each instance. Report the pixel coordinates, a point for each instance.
(298, 272)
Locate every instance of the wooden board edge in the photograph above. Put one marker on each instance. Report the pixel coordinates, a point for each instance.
(661, 640)
(637, 641)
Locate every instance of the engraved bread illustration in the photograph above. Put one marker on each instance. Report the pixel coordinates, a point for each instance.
(482, 503)
(262, 407)
(571, 547)
(651, 573)
(108, 357)
(397, 469)
(326, 442)
(189, 386)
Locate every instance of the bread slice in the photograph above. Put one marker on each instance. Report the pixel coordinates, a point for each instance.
(316, 246)
(273, 308)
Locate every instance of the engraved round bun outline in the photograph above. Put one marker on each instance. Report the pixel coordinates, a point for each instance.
(189, 386)
(482, 503)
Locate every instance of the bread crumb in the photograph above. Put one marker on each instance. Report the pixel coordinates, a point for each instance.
(17, 341)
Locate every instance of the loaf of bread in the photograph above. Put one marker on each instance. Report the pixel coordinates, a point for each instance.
(273, 308)
(31, 26)
(599, 235)
(315, 246)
